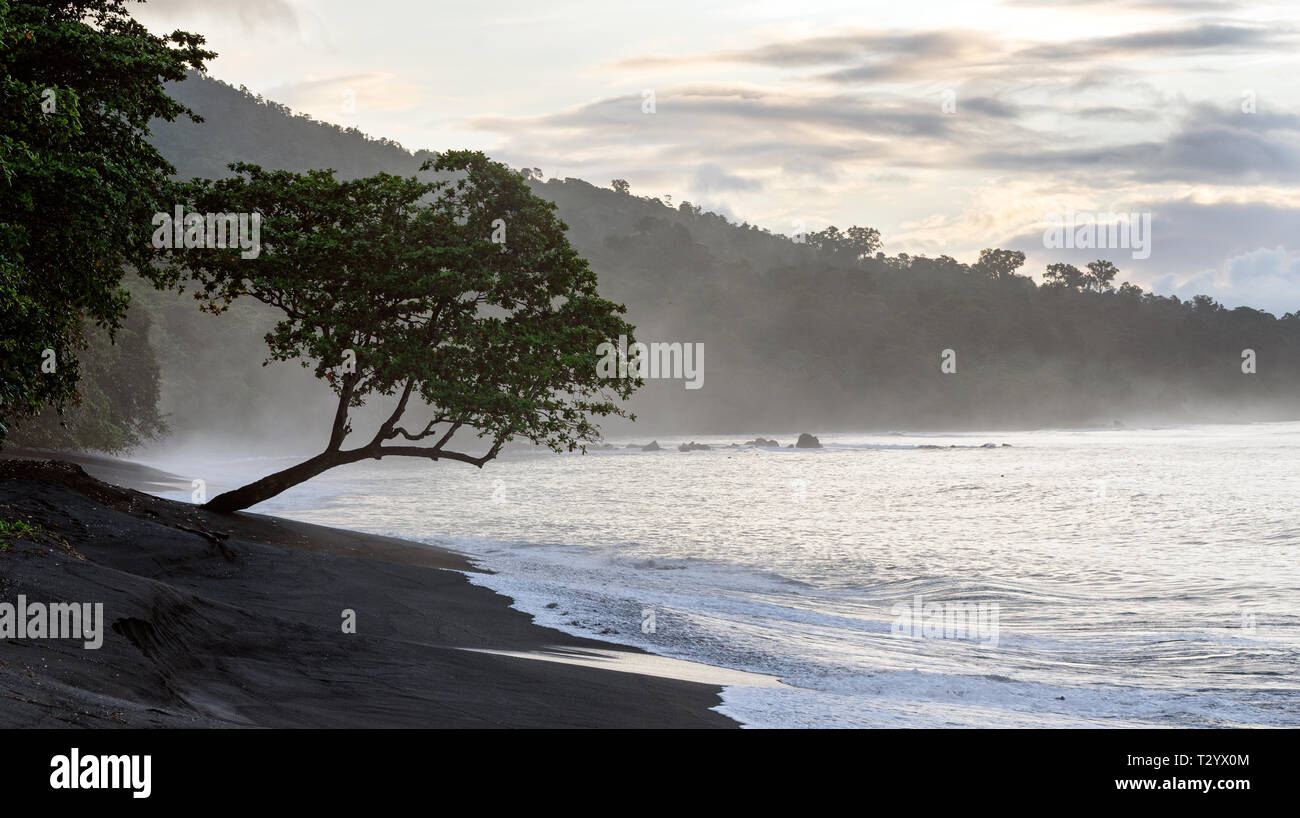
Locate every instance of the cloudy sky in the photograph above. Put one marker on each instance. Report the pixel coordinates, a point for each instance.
(949, 126)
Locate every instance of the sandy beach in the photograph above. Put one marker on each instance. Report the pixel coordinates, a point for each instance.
(214, 620)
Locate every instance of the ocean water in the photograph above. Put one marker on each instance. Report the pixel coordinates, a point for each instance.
(1120, 578)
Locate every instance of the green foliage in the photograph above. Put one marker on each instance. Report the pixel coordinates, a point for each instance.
(117, 406)
(1101, 274)
(853, 244)
(499, 337)
(998, 265)
(1065, 275)
(1100, 277)
(16, 529)
(82, 81)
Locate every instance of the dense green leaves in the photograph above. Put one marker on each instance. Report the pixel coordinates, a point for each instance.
(119, 389)
(851, 245)
(81, 82)
(460, 293)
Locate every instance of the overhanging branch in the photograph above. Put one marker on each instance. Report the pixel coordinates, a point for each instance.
(436, 452)
(422, 434)
(385, 430)
(430, 453)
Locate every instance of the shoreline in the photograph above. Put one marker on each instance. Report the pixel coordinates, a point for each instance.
(238, 620)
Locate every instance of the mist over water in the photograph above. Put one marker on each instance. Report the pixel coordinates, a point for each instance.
(1141, 577)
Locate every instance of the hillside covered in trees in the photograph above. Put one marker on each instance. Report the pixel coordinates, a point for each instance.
(824, 333)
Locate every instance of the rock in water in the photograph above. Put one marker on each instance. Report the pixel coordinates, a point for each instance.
(807, 441)
(652, 446)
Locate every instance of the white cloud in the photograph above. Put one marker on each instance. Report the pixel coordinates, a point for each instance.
(710, 178)
(1266, 279)
(249, 15)
(334, 98)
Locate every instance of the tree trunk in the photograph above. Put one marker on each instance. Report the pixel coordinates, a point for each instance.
(273, 484)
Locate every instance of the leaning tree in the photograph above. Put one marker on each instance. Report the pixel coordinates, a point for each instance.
(459, 298)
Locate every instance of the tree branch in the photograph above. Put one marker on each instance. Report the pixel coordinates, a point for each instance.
(341, 428)
(443, 442)
(428, 430)
(386, 427)
(435, 452)
(430, 453)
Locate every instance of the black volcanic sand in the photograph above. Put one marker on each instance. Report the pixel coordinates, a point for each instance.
(220, 620)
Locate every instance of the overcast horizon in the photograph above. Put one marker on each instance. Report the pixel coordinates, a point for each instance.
(947, 132)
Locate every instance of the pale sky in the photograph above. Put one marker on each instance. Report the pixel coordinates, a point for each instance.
(817, 113)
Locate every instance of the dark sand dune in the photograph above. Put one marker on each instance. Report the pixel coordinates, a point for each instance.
(235, 620)
(109, 469)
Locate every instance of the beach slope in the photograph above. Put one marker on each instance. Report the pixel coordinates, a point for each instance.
(236, 620)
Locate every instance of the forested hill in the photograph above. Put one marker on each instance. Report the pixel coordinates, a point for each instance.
(813, 335)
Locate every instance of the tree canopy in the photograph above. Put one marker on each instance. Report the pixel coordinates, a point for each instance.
(82, 81)
(460, 296)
